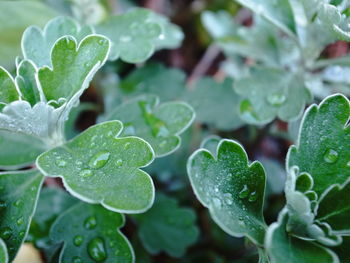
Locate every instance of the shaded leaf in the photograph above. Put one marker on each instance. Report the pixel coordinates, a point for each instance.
(98, 167)
(8, 91)
(3, 252)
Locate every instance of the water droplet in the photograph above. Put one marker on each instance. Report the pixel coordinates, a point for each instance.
(77, 260)
(61, 163)
(276, 99)
(217, 202)
(253, 196)
(102, 42)
(244, 192)
(78, 240)
(96, 249)
(2, 204)
(112, 243)
(216, 189)
(331, 156)
(21, 234)
(126, 145)
(247, 111)
(90, 222)
(87, 64)
(119, 162)
(86, 173)
(19, 221)
(99, 160)
(5, 233)
(348, 164)
(18, 203)
(78, 163)
(228, 198)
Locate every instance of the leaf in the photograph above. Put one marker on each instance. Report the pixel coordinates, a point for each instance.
(211, 143)
(73, 66)
(322, 148)
(91, 233)
(133, 34)
(159, 124)
(343, 250)
(98, 167)
(18, 16)
(167, 227)
(3, 252)
(8, 91)
(204, 98)
(52, 203)
(231, 188)
(18, 150)
(334, 208)
(271, 93)
(153, 78)
(282, 247)
(18, 194)
(37, 44)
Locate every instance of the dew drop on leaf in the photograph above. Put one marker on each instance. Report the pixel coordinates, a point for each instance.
(17, 203)
(102, 42)
(217, 202)
(276, 99)
(228, 198)
(126, 145)
(86, 173)
(244, 192)
(99, 160)
(348, 164)
(5, 233)
(330, 156)
(2, 204)
(77, 260)
(90, 222)
(96, 249)
(253, 197)
(78, 240)
(19, 221)
(61, 163)
(119, 162)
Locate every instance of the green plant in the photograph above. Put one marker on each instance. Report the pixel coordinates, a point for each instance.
(112, 188)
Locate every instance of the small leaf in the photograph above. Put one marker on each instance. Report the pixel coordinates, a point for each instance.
(8, 91)
(18, 150)
(52, 203)
(282, 247)
(37, 44)
(133, 35)
(204, 99)
(322, 148)
(73, 66)
(3, 252)
(167, 227)
(18, 197)
(98, 167)
(271, 93)
(211, 143)
(334, 208)
(91, 234)
(231, 188)
(158, 124)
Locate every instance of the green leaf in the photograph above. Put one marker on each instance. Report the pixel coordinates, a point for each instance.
(52, 203)
(334, 208)
(167, 227)
(8, 91)
(37, 44)
(18, 16)
(73, 66)
(134, 35)
(158, 124)
(98, 167)
(153, 78)
(204, 98)
(18, 150)
(283, 247)
(3, 252)
(322, 148)
(18, 194)
(231, 188)
(211, 143)
(91, 234)
(271, 93)
(343, 250)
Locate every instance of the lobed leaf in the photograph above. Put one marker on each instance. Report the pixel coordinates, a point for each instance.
(98, 167)
(91, 233)
(18, 194)
(158, 124)
(231, 188)
(167, 227)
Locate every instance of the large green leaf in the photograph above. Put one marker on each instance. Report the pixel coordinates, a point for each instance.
(18, 150)
(167, 227)
(215, 103)
(231, 188)
(37, 44)
(283, 247)
(134, 35)
(158, 124)
(18, 16)
(73, 66)
(98, 167)
(3, 252)
(18, 194)
(322, 149)
(334, 208)
(91, 234)
(271, 93)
